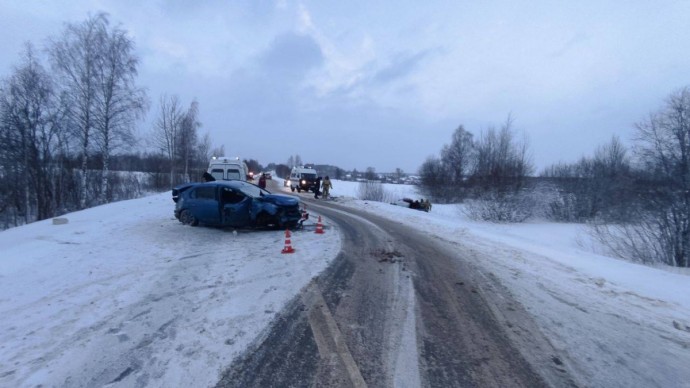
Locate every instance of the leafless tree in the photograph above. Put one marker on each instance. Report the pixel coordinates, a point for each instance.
(29, 137)
(432, 174)
(203, 149)
(167, 130)
(611, 182)
(502, 162)
(76, 55)
(399, 173)
(218, 151)
(459, 156)
(612, 158)
(595, 188)
(118, 101)
(370, 174)
(663, 147)
(187, 137)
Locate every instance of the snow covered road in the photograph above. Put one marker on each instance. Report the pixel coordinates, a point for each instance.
(616, 323)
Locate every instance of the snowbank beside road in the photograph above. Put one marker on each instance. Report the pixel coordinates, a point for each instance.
(124, 293)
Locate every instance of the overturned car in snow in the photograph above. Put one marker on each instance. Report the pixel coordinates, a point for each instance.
(234, 203)
(424, 205)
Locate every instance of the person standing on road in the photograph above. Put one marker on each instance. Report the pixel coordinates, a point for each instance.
(317, 186)
(326, 186)
(262, 181)
(208, 177)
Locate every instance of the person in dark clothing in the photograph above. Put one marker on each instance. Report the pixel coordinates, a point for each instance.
(317, 186)
(208, 177)
(262, 181)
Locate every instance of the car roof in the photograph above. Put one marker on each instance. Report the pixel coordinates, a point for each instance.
(235, 184)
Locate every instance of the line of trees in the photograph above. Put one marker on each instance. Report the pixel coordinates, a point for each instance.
(86, 104)
(637, 201)
(660, 229)
(66, 120)
(496, 163)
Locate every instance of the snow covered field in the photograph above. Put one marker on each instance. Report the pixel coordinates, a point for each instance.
(173, 305)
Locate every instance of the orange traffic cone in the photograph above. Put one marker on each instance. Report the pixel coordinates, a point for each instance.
(288, 245)
(319, 227)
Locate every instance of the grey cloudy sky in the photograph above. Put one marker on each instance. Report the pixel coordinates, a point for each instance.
(385, 83)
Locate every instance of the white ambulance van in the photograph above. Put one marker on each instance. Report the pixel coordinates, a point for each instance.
(224, 168)
(302, 178)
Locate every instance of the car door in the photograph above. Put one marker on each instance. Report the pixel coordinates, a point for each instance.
(236, 207)
(204, 204)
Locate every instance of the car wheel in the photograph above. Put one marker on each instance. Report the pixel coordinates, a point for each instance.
(188, 219)
(292, 188)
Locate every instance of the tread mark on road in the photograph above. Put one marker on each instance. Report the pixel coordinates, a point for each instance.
(329, 339)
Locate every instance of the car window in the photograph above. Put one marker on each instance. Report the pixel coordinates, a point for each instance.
(204, 192)
(217, 173)
(233, 174)
(231, 196)
(253, 190)
(308, 175)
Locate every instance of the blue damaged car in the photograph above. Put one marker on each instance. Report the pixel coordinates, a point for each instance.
(234, 203)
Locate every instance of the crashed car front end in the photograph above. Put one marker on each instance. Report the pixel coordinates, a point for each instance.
(285, 210)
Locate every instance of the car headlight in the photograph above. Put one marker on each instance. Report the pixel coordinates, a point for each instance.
(304, 182)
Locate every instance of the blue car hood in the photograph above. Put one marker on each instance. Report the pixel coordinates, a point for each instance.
(282, 200)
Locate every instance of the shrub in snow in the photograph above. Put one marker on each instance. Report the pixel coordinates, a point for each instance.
(652, 239)
(373, 191)
(562, 207)
(501, 207)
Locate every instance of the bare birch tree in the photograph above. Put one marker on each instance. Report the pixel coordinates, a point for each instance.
(502, 162)
(167, 130)
(119, 102)
(187, 137)
(203, 149)
(218, 151)
(459, 156)
(29, 134)
(664, 149)
(76, 56)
